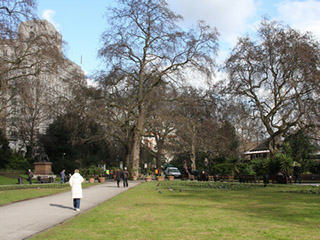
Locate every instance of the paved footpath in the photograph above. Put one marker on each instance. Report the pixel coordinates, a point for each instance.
(24, 219)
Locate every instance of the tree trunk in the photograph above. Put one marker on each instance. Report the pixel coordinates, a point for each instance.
(135, 156)
(159, 153)
(193, 149)
(136, 144)
(127, 157)
(274, 145)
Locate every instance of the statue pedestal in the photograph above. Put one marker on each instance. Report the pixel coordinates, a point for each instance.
(42, 168)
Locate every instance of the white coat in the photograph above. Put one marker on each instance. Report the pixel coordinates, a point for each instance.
(75, 182)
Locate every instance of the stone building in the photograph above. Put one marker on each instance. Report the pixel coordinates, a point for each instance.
(35, 79)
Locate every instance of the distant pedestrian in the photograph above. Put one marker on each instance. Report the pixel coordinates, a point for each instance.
(30, 176)
(63, 175)
(76, 189)
(125, 175)
(108, 173)
(118, 177)
(296, 173)
(204, 176)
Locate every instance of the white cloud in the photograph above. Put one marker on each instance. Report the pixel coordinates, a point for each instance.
(302, 15)
(48, 15)
(230, 17)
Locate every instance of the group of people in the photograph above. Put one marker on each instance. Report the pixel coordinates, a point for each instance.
(124, 175)
(62, 174)
(76, 181)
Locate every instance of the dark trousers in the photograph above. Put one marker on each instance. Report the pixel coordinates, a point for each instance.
(118, 183)
(297, 178)
(125, 182)
(30, 180)
(76, 203)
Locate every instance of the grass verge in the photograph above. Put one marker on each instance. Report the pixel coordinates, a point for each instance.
(187, 210)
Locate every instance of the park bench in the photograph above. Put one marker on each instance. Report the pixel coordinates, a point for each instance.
(45, 179)
(227, 178)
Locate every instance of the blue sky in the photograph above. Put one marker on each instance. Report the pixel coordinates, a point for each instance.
(81, 22)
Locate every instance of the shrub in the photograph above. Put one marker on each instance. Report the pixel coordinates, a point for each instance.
(260, 166)
(274, 166)
(223, 169)
(17, 162)
(315, 167)
(5, 152)
(245, 169)
(286, 163)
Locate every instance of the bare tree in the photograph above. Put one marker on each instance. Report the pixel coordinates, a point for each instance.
(29, 109)
(160, 123)
(249, 129)
(37, 80)
(278, 73)
(197, 125)
(117, 112)
(112, 105)
(12, 14)
(145, 45)
(34, 56)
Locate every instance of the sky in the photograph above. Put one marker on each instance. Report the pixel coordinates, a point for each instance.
(82, 22)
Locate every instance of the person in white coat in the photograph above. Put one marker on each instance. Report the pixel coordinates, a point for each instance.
(76, 189)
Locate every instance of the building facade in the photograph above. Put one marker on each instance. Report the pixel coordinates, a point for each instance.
(35, 80)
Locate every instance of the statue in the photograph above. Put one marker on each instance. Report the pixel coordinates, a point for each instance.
(41, 156)
(42, 165)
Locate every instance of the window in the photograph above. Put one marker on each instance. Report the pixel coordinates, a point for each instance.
(32, 35)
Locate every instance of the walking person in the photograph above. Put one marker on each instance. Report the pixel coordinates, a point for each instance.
(296, 173)
(63, 175)
(118, 177)
(125, 175)
(76, 189)
(30, 176)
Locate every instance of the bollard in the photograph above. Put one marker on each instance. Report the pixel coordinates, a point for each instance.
(20, 180)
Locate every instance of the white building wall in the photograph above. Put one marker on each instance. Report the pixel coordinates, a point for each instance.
(54, 75)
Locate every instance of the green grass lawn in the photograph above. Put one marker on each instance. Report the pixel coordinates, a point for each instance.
(200, 211)
(7, 180)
